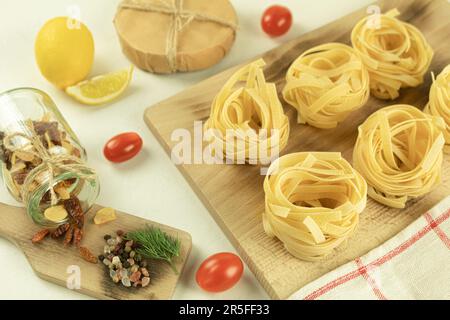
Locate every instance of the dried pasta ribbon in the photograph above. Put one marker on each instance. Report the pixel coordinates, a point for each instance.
(325, 84)
(395, 53)
(399, 153)
(247, 108)
(312, 202)
(439, 103)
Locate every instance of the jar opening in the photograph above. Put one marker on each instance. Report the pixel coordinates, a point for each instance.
(38, 201)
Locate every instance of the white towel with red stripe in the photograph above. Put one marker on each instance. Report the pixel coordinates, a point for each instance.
(415, 264)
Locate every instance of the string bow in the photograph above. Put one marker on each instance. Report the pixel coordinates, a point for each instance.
(51, 162)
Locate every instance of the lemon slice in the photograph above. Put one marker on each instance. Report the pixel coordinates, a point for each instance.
(55, 213)
(105, 215)
(101, 89)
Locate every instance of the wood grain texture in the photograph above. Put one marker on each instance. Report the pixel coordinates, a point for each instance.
(234, 194)
(50, 259)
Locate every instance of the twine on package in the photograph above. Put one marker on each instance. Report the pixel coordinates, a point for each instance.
(181, 17)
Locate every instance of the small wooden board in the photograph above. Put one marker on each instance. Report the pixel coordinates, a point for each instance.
(52, 261)
(234, 194)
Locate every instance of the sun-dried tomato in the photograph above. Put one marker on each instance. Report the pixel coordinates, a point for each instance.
(68, 237)
(73, 208)
(77, 236)
(19, 177)
(62, 229)
(40, 235)
(51, 128)
(87, 255)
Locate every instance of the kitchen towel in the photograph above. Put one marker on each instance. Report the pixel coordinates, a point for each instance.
(412, 265)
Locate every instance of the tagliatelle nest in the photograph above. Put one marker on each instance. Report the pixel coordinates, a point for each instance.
(312, 202)
(247, 122)
(439, 103)
(396, 53)
(325, 84)
(399, 153)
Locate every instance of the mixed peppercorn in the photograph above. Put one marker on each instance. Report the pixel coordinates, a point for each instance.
(125, 265)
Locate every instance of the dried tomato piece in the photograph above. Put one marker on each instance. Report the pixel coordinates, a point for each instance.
(80, 222)
(68, 237)
(73, 207)
(87, 255)
(40, 127)
(19, 177)
(40, 235)
(77, 236)
(62, 229)
(51, 128)
(69, 182)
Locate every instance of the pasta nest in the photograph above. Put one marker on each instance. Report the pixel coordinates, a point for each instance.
(399, 153)
(439, 103)
(247, 117)
(312, 202)
(396, 54)
(325, 84)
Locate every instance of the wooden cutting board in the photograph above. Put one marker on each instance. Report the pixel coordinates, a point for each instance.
(54, 263)
(234, 193)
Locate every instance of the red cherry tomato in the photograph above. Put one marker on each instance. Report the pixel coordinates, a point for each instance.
(123, 147)
(220, 272)
(276, 20)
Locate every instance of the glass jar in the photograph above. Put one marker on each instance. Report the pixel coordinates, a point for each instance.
(42, 161)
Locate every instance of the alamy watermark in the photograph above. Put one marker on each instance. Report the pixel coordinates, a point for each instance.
(236, 146)
(73, 281)
(374, 19)
(74, 17)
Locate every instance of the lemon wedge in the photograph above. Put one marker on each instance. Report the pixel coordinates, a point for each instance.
(105, 215)
(101, 89)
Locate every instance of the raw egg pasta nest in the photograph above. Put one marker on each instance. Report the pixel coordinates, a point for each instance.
(312, 202)
(399, 153)
(248, 107)
(439, 104)
(325, 84)
(396, 53)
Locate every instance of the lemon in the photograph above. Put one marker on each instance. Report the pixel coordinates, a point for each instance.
(101, 89)
(64, 51)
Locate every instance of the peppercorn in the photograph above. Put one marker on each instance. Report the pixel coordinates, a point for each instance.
(124, 264)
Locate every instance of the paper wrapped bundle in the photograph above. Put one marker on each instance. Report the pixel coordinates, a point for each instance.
(165, 36)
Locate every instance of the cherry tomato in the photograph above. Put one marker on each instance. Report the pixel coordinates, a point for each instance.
(276, 20)
(123, 147)
(220, 272)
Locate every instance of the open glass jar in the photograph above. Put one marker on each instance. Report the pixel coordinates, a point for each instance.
(42, 162)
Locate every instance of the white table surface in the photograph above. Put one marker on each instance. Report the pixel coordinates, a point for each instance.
(149, 185)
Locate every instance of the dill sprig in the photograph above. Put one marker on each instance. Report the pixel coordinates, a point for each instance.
(156, 244)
